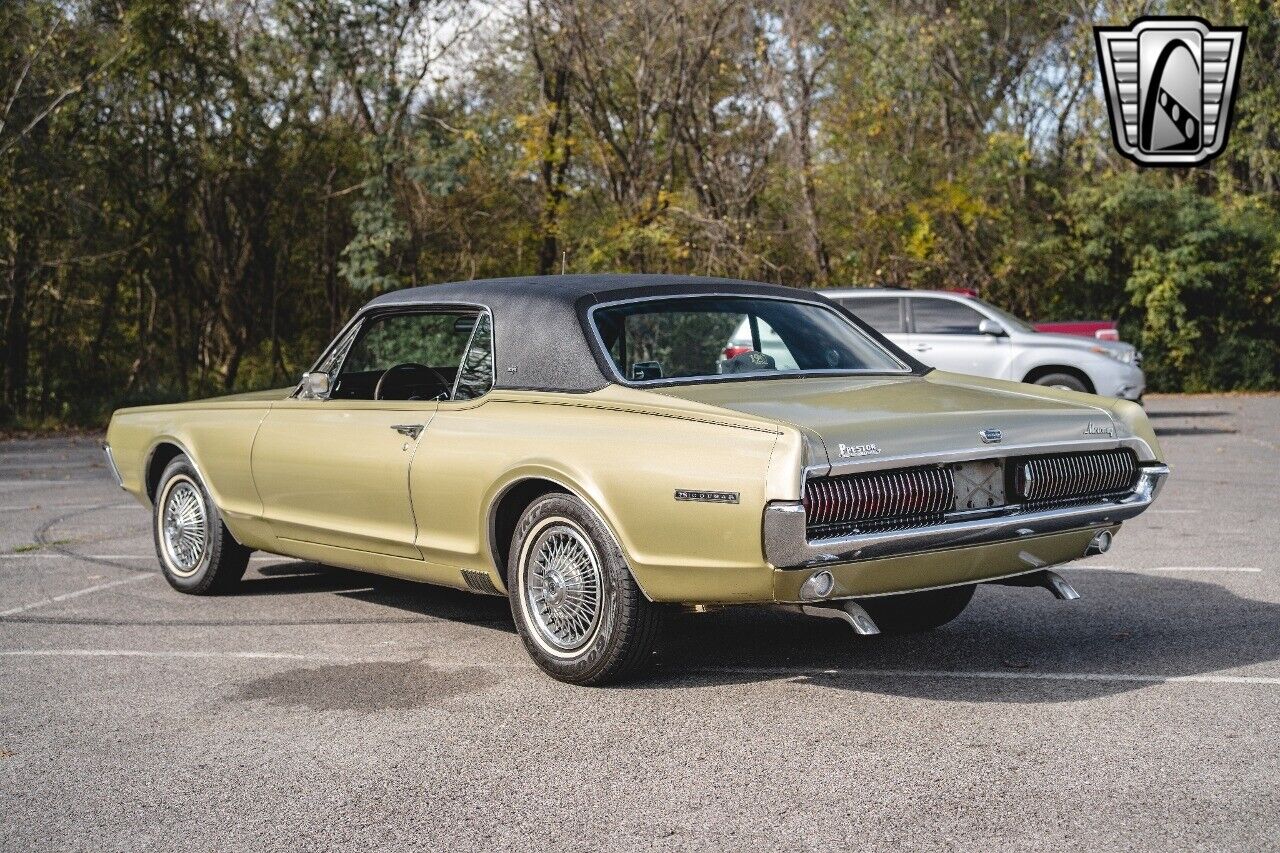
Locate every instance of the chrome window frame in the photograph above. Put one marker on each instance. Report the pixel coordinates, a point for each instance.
(598, 342)
(493, 360)
(347, 336)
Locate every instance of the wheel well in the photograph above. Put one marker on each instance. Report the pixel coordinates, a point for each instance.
(160, 459)
(512, 504)
(1045, 370)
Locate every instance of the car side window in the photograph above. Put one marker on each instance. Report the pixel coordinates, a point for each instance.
(475, 376)
(882, 313)
(405, 356)
(943, 317)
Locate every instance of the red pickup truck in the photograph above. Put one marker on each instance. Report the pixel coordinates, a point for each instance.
(1103, 330)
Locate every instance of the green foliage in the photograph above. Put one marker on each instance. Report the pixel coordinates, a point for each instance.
(195, 196)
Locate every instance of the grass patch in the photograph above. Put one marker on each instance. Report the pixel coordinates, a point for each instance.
(36, 546)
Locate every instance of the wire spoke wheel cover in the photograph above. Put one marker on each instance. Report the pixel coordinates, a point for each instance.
(184, 526)
(561, 586)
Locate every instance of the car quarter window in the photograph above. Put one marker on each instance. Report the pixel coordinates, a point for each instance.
(943, 317)
(882, 313)
(405, 356)
(475, 376)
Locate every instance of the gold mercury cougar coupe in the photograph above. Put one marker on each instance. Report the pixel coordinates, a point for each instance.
(585, 446)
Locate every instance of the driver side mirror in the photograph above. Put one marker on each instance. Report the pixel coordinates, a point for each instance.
(992, 328)
(315, 385)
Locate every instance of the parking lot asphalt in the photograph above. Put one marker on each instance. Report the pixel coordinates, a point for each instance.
(321, 709)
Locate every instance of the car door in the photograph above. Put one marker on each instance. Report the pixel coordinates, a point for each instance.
(943, 333)
(335, 470)
(448, 496)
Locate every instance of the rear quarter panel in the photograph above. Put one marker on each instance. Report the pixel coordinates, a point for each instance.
(627, 464)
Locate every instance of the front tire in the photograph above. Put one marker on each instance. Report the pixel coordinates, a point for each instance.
(581, 615)
(911, 612)
(197, 553)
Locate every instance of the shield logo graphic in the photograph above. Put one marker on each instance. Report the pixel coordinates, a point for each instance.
(1169, 84)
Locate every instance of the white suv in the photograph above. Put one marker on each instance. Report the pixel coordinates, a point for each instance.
(963, 334)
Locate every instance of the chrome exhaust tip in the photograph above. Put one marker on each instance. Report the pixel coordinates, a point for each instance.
(818, 586)
(848, 611)
(1051, 581)
(1058, 585)
(1100, 544)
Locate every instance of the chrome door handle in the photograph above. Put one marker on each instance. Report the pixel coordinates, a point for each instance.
(923, 347)
(411, 430)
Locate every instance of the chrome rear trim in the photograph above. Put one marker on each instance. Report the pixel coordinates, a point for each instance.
(877, 463)
(786, 546)
(111, 464)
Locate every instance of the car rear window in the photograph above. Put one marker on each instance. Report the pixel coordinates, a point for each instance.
(708, 337)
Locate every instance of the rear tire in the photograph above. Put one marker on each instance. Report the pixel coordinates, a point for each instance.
(581, 615)
(198, 555)
(1062, 380)
(917, 611)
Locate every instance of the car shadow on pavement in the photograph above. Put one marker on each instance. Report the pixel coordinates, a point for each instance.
(1017, 645)
(302, 577)
(1127, 632)
(1174, 413)
(1193, 430)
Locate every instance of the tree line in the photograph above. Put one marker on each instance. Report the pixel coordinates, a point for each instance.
(195, 194)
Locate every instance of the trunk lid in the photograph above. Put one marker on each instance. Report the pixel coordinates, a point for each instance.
(904, 416)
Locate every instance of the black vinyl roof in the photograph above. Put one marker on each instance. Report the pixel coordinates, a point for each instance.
(540, 327)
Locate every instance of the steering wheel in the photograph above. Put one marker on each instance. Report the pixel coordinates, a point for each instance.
(400, 377)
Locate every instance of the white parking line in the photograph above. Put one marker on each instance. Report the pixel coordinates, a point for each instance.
(134, 653)
(1022, 675)
(781, 672)
(66, 596)
(1088, 568)
(17, 508)
(56, 555)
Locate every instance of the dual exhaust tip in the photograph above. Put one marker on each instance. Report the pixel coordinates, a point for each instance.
(862, 624)
(822, 583)
(1100, 544)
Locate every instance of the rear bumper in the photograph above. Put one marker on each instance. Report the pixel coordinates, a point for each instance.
(936, 569)
(787, 547)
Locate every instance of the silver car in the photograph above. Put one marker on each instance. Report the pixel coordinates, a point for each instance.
(963, 334)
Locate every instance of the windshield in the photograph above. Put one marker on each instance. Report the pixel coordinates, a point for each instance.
(1005, 317)
(700, 337)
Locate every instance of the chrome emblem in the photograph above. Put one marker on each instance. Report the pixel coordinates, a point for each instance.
(849, 451)
(1099, 429)
(1169, 85)
(707, 497)
(991, 435)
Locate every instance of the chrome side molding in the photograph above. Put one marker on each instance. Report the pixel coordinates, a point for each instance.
(786, 545)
